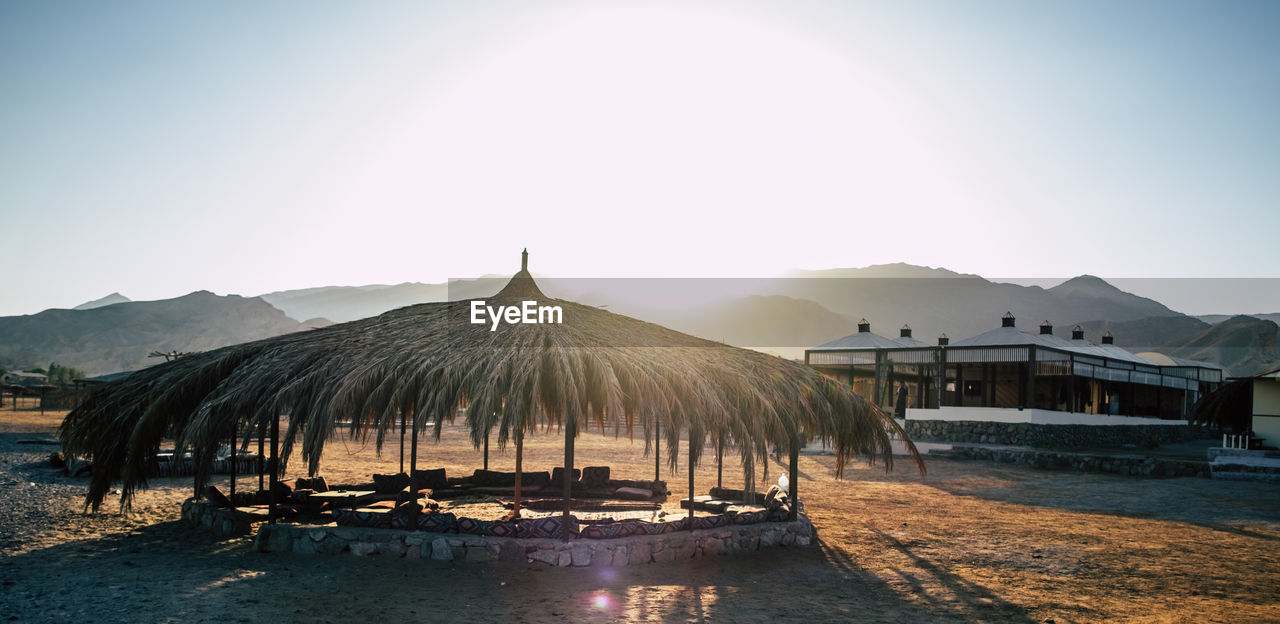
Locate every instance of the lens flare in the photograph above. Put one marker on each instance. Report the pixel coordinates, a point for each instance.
(601, 602)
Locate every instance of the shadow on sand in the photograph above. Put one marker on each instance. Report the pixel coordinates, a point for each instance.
(169, 572)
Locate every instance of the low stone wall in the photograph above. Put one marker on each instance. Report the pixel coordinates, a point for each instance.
(1053, 436)
(332, 539)
(1244, 465)
(1138, 465)
(220, 521)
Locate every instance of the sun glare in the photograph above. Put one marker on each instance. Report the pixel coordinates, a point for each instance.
(656, 111)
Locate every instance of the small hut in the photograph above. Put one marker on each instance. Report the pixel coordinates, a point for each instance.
(421, 363)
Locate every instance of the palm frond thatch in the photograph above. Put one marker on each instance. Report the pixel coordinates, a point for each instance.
(1228, 407)
(426, 361)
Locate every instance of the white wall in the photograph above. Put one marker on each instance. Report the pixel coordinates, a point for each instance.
(1035, 416)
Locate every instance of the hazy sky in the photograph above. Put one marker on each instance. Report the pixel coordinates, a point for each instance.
(245, 147)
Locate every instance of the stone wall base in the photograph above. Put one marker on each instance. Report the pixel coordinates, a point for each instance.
(1052, 436)
(1138, 465)
(332, 539)
(1244, 465)
(220, 521)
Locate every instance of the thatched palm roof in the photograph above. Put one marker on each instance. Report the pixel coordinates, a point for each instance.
(1229, 406)
(427, 360)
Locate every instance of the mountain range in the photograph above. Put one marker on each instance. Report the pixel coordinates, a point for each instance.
(783, 316)
(120, 336)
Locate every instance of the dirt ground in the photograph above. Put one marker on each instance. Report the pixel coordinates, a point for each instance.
(970, 541)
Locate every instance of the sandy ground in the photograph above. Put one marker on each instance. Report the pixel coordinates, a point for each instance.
(971, 541)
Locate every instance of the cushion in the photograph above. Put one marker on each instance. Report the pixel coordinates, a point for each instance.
(498, 528)
(390, 483)
(595, 476)
(750, 517)
(431, 479)
(631, 493)
(537, 480)
(469, 525)
(658, 528)
(545, 527)
(774, 497)
(438, 522)
(404, 515)
(363, 517)
(625, 528)
(493, 478)
(710, 522)
(557, 475)
(314, 483)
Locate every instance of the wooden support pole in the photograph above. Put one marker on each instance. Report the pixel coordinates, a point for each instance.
(690, 517)
(657, 451)
(720, 461)
(262, 461)
(515, 507)
(570, 432)
(231, 496)
(413, 463)
(402, 428)
(794, 478)
(486, 449)
(275, 468)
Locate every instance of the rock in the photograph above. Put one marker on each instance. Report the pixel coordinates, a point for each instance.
(620, 557)
(440, 549)
(509, 550)
(548, 557)
(601, 557)
(564, 559)
(363, 549)
(639, 552)
(331, 545)
(477, 553)
(274, 538)
(581, 556)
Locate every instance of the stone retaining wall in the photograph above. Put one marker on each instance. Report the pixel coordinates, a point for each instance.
(1244, 465)
(1053, 436)
(1139, 465)
(332, 539)
(217, 520)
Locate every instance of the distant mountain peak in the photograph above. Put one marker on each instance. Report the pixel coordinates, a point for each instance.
(1085, 281)
(890, 270)
(110, 299)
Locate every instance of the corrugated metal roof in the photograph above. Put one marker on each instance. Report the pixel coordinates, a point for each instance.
(1011, 336)
(860, 340)
(908, 341)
